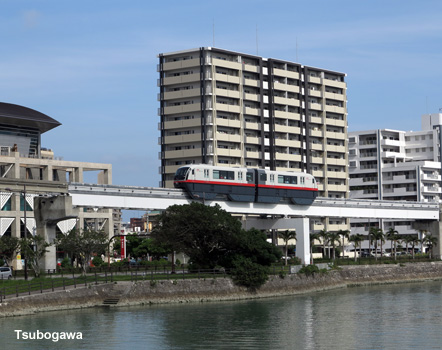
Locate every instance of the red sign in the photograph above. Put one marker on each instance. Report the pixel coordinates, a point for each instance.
(123, 247)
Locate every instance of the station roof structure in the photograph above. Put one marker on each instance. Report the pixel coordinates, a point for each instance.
(12, 114)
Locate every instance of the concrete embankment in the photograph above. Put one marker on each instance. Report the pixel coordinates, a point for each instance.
(145, 292)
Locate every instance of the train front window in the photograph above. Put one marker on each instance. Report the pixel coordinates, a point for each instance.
(181, 173)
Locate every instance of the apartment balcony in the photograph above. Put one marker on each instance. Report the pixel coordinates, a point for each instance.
(288, 156)
(227, 93)
(252, 111)
(335, 122)
(398, 179)
(171, 169)
(233, 79)
(315, 93)
(399, 191)
(195, 62)
(172, 95)
(317, 160)
(191, 107)
(316, 120)
(314, 80)
(336, 135)
(316, 133)
(335, 109)
(318, 226)
(337, 149)
(227, 108)
(364, 194)
(229, 152)
(185, 153)
(285, 87)
(183, 123)
(334, 96)
(228, 122)
(226, 64)
(318, 173)
(316, 146)
(289, 129)
(251, 97)
(337, 174)
(337, 188)
(253, 140)
(250, 68)
(228, 137)
(182, 138)
(286, 101)
(336, 161)
(388, 142)
(315, 106)
(431, 189)
(431, 177)
(252, 82)
(286, 73)
(337, 227)
(252, 126)
(181, 79)
(335, 83)
(252, 154)
(287, 115)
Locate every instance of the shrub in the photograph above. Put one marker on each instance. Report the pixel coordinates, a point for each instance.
(65, 263)
(97, 261)
(249, 274)
(309, 270)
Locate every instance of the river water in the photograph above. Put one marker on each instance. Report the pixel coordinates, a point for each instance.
(402, 316)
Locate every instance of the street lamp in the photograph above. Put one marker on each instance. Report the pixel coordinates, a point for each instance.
(25, 224)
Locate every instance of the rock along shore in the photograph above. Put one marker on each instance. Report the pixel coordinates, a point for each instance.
(219, 289)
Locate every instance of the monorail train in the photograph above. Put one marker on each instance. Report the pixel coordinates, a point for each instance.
(246, 184)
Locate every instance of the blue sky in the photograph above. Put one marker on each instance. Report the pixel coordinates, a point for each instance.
(91, 65)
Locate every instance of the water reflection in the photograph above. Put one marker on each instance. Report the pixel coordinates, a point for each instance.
(385, 317)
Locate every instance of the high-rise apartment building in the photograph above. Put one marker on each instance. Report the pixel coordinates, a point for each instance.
(227, 108)
(396, 165)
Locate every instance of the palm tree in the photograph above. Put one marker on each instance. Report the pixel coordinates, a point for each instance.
(357, 240)
(413, 241)
(333, 238)
(407, 240)
(286, 236)
(324, 236)
(430, 241)
(313, 237)
(377, 235)
(391, 235)
(344, 234)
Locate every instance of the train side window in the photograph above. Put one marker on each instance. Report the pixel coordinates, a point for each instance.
(249, 176)
(239, 176)
(263, 177)
(302, 180)
(272, 178)
(223, 175)
(280, 179)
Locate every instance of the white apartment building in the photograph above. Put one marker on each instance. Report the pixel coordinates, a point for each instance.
(232, 109)
(396, 165)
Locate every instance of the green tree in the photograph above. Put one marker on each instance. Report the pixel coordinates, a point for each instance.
(430, 241)
(344, 234)
(203, 233)
(324, 237)
(414, 240)
(83, 244)
(392, 235)
(8, 248)
(34, 248)
(286, 236)
(357, 242)
(334, 237)
(377, 235)
(407, 239)
(313, 237)
(211, 237)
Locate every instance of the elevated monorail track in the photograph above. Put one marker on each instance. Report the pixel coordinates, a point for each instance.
(153, 198)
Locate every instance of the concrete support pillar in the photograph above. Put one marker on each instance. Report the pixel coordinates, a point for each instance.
(48, 211)
(301, 225)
